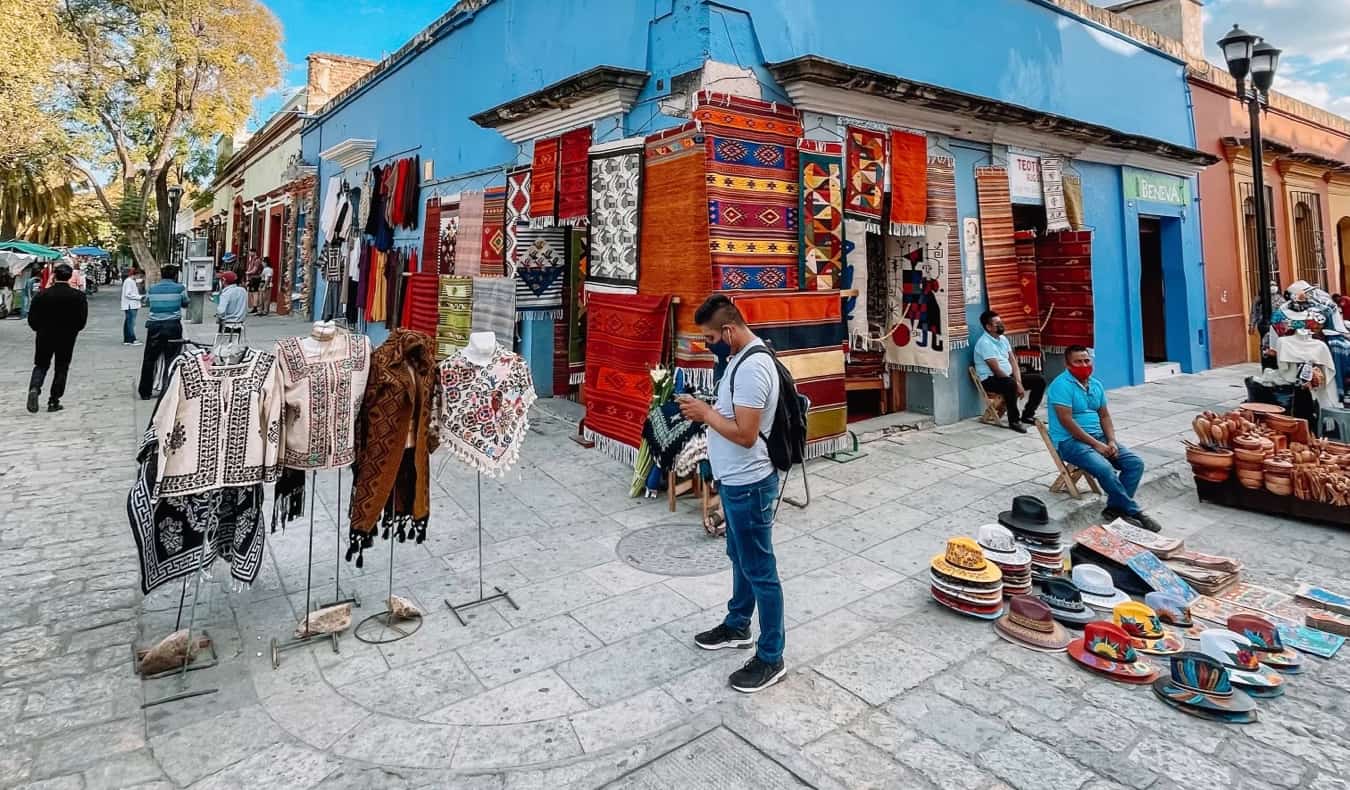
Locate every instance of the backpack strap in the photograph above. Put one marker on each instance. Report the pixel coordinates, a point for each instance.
(732, 373)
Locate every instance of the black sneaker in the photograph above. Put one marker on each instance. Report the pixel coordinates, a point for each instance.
(33, 400)
(722, 636)
(1111, 514)
(1145, 521)
(757, 675)
(1017, 426)
(54, 405)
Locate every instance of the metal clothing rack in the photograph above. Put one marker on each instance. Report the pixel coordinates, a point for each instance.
(338, 598)
(387, 628)
(207, 551)
(500, 595)
(279, 647)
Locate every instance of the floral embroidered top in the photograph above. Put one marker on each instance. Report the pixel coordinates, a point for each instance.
(485, 409)
(218, 425)
(322, 393)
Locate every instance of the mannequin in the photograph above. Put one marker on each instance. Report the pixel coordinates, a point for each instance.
(481, 348)
(486, 394)
(320, 336)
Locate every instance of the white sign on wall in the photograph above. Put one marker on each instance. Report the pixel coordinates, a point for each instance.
(973, 283)
(1024, 178)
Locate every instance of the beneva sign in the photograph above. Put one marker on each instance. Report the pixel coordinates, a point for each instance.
(1156, 187)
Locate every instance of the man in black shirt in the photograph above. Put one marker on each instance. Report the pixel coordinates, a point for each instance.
(57, 315)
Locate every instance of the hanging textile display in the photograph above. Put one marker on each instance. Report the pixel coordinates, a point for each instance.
(916, 336)
(431, 235)
(1024, 245)
(421, 303)
(394, 442)
(484, 410)
(866, 174)
(574, 193)
(1052, 188)
(909, 183)
(562, 379)
(494, 308)
(806, 332)
(544, 183)
(1064, 278)
(494, 233)
(674, 240)
(541, 272)
(448, 217)
(625, 339)
(752, 191)
(517, 215)
(323, 380)
(855, 247)
(578, 256)
(942, 211)
(469, 239)
(1073, 201)
(616, 194)
(1000, 255)
(456, 314)
(821, 247)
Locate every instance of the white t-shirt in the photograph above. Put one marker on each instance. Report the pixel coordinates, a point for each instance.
(756, 387)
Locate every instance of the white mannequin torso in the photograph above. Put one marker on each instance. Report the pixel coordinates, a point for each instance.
(481, 348)
(320, 336)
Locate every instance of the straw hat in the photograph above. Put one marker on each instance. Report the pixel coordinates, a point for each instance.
(964, 561)
(1105, 648)
(1029, 623)
(1235, 652)
(1145, 630)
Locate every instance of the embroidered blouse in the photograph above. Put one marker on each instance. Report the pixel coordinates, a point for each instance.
(485, 409)
(218, 425)
(322, 396)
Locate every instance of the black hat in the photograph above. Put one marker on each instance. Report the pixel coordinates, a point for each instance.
(1028, 514)
(1066, 603)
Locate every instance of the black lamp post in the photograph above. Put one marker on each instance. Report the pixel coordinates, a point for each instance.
(175, 194)
(1250, 55)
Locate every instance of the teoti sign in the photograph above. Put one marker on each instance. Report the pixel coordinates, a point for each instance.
(1156, 187)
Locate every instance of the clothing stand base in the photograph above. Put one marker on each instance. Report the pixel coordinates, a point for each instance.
(806, 486)
(205, 643)
(279, 647)
(384, 627)
(338, 599)
(501, 595)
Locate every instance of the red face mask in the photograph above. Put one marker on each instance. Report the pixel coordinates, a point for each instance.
(1081, 372)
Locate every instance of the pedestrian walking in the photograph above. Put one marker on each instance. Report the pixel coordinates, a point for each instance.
(253, 279)
(77, 279)
(131, 304)
(57, 315)
(265, 294)
(31, 282)
(166, 300)
(6, 291)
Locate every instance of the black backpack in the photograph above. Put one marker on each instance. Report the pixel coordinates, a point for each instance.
(786, 439)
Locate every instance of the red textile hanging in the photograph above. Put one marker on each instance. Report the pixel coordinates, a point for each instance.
(574, 195)
(544, 183)
(909, 183)
(431, 230)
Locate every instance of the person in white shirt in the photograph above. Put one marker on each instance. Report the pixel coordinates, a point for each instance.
(999, 373)
(131, 304)
(265, 294)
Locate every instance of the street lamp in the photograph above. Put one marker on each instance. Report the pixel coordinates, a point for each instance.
(175, 194)
(1250, 55)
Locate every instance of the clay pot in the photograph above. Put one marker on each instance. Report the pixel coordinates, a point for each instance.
(1249, 456)
(1210, 475)
(1252, 480)
(1279, 486)
(1209, 459)
(1278, 467)
(1247, 441)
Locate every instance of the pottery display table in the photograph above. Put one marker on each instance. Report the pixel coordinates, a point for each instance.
(1231, 494)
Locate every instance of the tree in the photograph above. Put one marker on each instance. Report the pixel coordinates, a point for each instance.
(144, 78)
(33, 45)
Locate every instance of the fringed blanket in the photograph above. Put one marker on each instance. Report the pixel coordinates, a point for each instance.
(667, 432)
(573, 183)
(866, 163)
(485, 409)
(821, 261)
(855, 249)
(942, 211)
(517, 215)
(579, 260)
(1052, 189)
(541, 272)
(625, 339)
(916, 334)
(456, 315)
(494, 308)
(1064, 277)
(431, 235)
(616, 194)
(469, 246)
(448, 216)
(1000, 254)
(544, 183)
(806, 332)
(494, 233)
(420, 303)
(909, 183)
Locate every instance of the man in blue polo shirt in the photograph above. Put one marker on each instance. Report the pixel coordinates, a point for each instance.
(1081, 428)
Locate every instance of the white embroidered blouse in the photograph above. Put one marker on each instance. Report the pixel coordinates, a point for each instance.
(323, 393)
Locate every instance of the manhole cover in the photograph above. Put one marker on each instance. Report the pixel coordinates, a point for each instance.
(674, 550)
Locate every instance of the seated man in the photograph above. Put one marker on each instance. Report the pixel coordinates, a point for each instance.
(1081, 429)
(1001, 375)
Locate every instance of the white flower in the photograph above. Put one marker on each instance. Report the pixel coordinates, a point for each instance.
(659, 375)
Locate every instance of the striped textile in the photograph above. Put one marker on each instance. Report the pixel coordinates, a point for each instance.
(574, 192)
(942, 211)
(469, 240)
(517, 215)
(448, 238)
(625, 339)
(541, 273)
(431, 236)
(420, 308)
(578, 261)
(494, 308)
(494, 233)
(806, 331)
(1064, 280)
(1000, 254)
(544, 183)
(456, 302)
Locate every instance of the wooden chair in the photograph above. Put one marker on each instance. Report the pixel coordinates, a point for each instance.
(1069, 475)
(994, 407)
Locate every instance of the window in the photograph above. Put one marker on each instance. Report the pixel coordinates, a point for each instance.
(1309, 254)
(1250, 266)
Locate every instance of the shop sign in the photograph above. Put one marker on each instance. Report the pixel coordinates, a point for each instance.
(1024, 177)
(1156, 187)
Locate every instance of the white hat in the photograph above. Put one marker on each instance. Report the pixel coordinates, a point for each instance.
(1097, 588)
(998, 545)
(1236, 653)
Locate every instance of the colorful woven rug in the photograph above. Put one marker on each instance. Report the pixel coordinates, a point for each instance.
(431, 236)
(866, 174)
(469, 242)
(855, 256)
(674, 239)
(1000, 254)
(806, 331)
(909, 183)
(1064, 278)
(578, 257)
(562, 383)
(625, 339)
(616, 194)
(821, 261)
(574, 193)
(420, 308)
(1052, 190)
(448, 237)
(752, 191)
(1024, 245)
(541, 273)
(456, 304)
(544, 183)
(942, 211)
(494, 232)
(916, 334)
(494, 308)
(517, 215)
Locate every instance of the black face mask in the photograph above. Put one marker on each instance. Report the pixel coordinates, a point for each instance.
(999, 330)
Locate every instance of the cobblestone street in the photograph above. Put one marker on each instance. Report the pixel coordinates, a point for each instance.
(595, 681)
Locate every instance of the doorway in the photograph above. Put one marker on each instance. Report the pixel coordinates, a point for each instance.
(1152, 295)
(274, 251)
(1343, 237)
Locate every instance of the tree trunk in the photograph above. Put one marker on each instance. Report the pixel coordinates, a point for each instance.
(164, 221)
(144, 255)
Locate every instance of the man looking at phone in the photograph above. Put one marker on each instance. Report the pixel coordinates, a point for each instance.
(747, 399)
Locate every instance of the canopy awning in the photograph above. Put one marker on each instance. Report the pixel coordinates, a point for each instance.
(89, 252)
(29, 248)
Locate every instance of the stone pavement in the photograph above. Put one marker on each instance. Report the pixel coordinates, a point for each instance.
(594, 680)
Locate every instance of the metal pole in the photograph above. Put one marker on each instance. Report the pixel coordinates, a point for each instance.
(479, 476)
(1265, 276)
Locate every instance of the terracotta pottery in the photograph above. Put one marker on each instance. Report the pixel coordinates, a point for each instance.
(1253, 480)
(1279, 487)
(1248, 441)
(1261, 408)
(1209, 459)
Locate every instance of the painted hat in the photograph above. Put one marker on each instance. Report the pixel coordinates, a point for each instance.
(1028, 514)
(1235, 652)
(1199, 685)
(965, 593)
(964, 561)
(1097, 588)
(1170, 609)
(1065, 602)
(1265, 639)
(982, 611)
(1029, 623)
(1145, 630)
(1105, 648)
(999, 546)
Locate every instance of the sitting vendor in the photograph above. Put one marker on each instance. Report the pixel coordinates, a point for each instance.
(1082, 432)
(999, 373)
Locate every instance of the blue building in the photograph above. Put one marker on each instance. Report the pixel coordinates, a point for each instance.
(991, 82)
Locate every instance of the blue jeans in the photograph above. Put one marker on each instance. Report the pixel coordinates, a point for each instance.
(129, 325)
(754, 571)
(1120, 487)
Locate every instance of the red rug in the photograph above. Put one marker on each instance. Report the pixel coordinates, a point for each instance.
(494, 232)
(574, 181)
(866, 166)
(1024, 244)
(909, 183)
(1000, 254)
(431, 235)
(1064, 279)
(544, 183)
(421, 303)
(625, 339)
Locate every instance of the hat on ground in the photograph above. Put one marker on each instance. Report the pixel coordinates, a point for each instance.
(964, 561)
(1094, 583)
(1200, 686)
(1028, 514)
(1029, 623)
(999, 546)
(1105, 648)
(1235, 652)
(1170, 609)
(982, 611)
(1066, 603)
(1265, 639)
(961, 592)
(1145, 630)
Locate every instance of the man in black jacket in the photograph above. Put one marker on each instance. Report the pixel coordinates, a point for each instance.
(57, 315)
